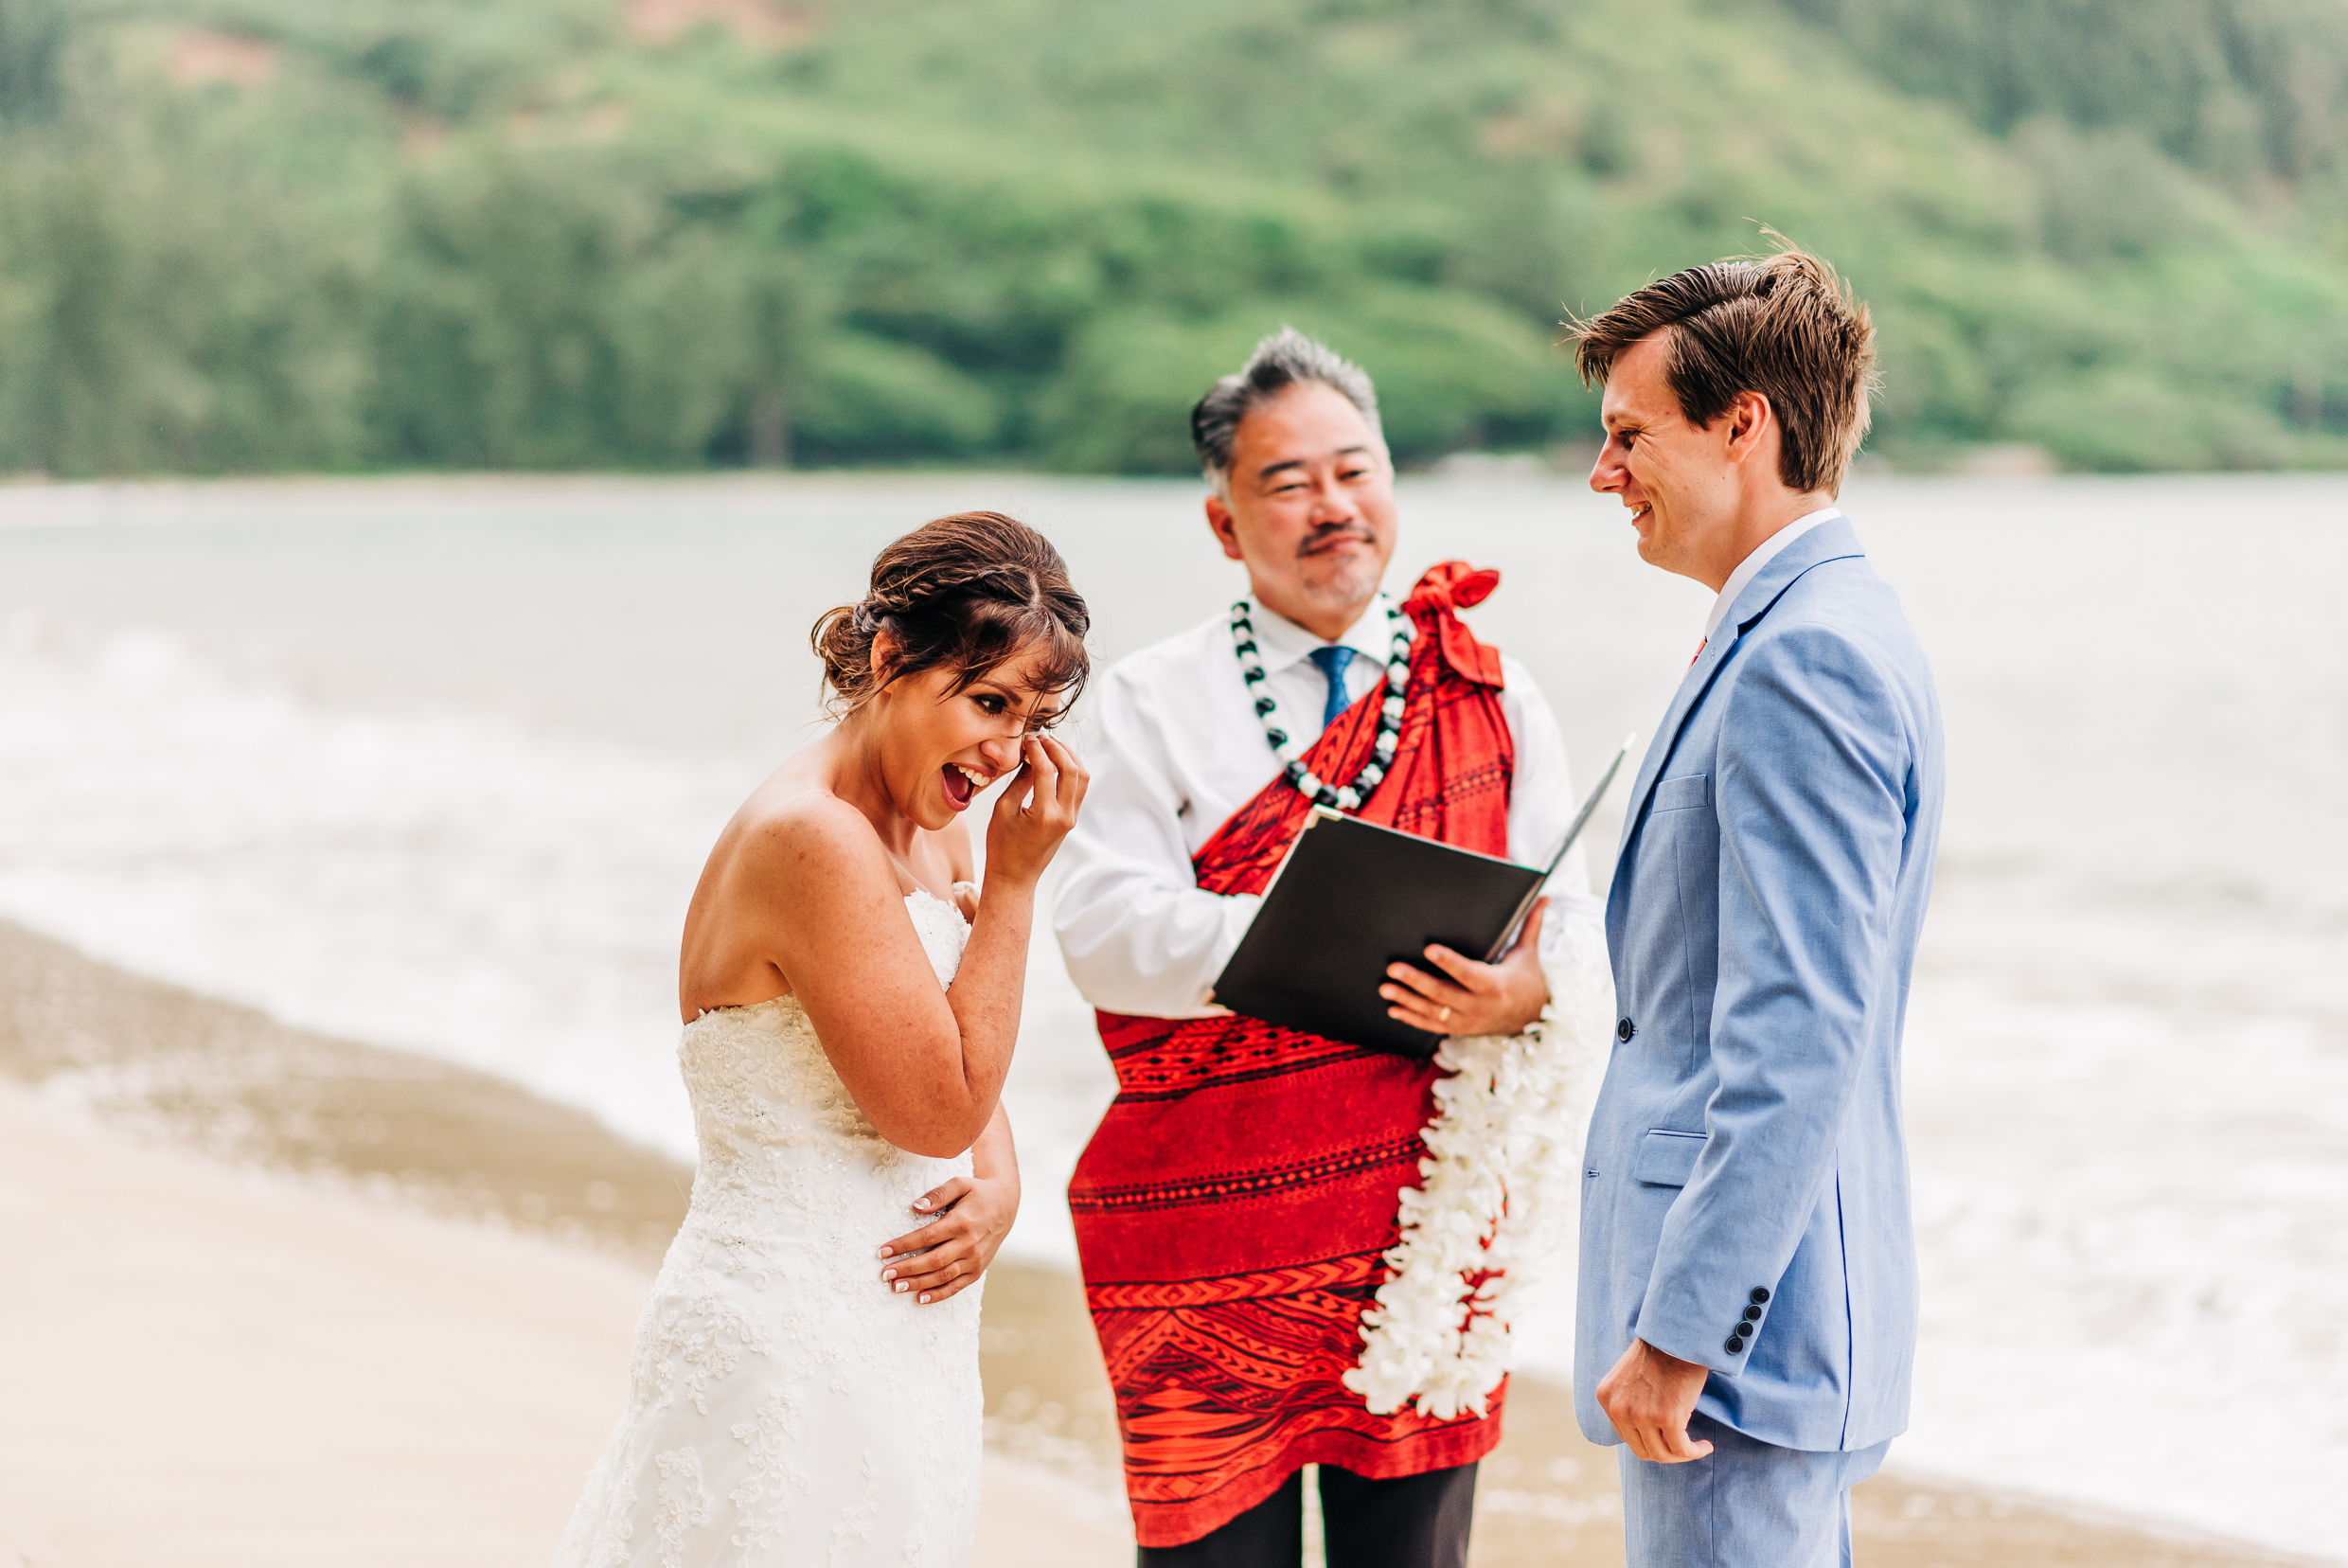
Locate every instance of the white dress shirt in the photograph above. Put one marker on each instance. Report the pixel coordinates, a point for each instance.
(1762, 555)
(1175, 747)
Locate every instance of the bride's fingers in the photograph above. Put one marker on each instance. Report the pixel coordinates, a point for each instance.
(951, 1239)
(945, 1292)
(1045, 771)
(914, 1262)
(926, 1250)
(938, 1199)
(1012, 802)
(930, 1271)
(937, 1283)
(1073, 778)
(911, 1244)
(948, 1281)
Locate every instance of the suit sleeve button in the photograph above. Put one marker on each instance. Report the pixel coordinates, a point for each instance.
(1760, 1294)
(1752, 1314)
(1732, 1344)
(1625, 1030)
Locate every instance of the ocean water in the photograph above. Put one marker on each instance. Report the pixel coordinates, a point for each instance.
(435, 763)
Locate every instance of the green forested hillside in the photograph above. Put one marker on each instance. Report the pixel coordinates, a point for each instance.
(2246, 91)
(291, 234)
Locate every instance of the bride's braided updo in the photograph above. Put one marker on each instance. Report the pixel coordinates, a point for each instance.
(965, 592)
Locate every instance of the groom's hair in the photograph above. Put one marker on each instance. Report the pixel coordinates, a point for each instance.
(967, 593)
(1280, 362)
(1784, 326)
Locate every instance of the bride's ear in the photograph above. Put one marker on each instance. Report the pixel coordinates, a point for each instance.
(885, 650)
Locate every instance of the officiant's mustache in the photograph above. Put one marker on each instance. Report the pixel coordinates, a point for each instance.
(1334, 535)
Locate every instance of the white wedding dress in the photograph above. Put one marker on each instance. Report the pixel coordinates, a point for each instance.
(786, 1407)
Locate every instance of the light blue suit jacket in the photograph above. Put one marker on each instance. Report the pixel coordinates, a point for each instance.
(1747, 1162)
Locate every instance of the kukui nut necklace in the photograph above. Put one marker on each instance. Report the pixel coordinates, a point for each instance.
(1351, 794)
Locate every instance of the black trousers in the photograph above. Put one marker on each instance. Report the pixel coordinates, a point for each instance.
(1411, 1521)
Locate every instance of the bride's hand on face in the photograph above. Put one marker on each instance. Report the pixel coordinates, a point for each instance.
(937, 1262)
(1036, 812)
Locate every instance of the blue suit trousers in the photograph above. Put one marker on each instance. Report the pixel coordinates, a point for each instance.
(1748, 1505)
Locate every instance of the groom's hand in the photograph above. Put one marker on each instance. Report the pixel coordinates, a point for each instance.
(1649, 1396)
(1469, 998)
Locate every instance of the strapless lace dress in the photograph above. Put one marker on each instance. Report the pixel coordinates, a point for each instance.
(786, 1407)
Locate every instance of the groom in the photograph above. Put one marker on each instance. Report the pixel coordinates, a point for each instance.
(1748, 1297)
(1233, 1208)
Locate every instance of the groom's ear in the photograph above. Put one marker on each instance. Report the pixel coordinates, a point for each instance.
(1226, 528)
(1750, 420)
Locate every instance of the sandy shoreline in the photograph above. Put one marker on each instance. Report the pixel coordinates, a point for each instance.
(245, 1331)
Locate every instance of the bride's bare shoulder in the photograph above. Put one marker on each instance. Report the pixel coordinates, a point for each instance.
(798, 830)
(792, 866)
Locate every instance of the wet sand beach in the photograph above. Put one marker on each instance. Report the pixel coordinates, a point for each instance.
(278, 1298)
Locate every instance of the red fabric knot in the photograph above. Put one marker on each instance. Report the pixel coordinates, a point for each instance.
(1446, 587)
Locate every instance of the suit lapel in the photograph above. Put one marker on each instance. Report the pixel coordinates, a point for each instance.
(1830, 541)
(1692, 685)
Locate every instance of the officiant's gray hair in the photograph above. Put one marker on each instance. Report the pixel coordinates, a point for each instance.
(1280, 361)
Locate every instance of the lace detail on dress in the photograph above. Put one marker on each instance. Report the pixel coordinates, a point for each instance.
(683, 1504)
(780, 1394)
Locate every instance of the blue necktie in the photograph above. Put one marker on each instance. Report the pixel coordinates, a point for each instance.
(1333, 661)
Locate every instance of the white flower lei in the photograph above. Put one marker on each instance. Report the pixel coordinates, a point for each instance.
(1496, 1198)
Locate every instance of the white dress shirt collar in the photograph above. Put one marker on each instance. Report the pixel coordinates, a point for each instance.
(1280, 642)
(1762, 555)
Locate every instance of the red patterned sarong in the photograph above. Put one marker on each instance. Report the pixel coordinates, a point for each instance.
(1232, 1209)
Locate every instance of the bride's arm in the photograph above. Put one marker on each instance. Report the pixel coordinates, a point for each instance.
(924, 1066)
(976, 1213)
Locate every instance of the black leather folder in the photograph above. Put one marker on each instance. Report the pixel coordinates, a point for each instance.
(1352, 898)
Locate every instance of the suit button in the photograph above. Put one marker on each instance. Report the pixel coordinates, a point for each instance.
(1624, 1030)
(1760, 1294)
(1752, 1314)
(1733, 1346)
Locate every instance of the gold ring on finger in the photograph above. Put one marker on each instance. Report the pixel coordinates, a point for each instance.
(1445, 1016)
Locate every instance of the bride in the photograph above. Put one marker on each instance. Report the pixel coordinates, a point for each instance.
(805, 1386)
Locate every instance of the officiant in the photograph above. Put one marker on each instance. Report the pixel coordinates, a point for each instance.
(1235, 1211)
